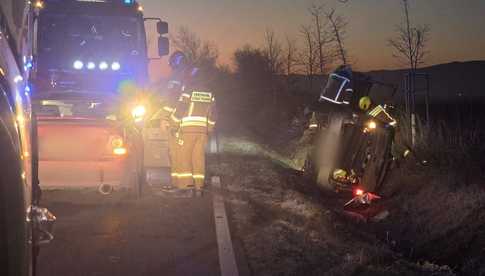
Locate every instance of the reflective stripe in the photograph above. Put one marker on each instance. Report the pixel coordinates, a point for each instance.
(198, 121)
(313, 126)
(191, 108)
(330, 100)
(374, 112)
(185, 95)
(378, 110)
(211, 122)
(194, 119)
(181, 175)
(199, 176)
(197, 124)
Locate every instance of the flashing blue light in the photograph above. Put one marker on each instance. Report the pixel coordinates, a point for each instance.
(91, 65)
(115, 66)
(78, 65)
(129, 2)
(103, 65)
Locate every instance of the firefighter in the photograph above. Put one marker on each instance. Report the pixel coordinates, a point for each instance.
(178, 63)
(195, 117)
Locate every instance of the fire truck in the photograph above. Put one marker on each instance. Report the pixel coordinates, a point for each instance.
(91, 93)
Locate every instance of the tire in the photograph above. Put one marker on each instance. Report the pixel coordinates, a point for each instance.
(378, 164)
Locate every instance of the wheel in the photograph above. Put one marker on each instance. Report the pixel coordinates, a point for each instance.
(377, 163)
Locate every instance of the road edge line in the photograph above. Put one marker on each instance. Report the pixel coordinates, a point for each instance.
(227, 258)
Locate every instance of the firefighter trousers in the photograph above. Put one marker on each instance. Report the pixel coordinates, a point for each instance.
(191, 161)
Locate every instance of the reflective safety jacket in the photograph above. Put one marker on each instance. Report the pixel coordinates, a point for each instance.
(195, 112)
(382, 115)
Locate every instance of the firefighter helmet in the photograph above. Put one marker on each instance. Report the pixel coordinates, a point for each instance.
(365, 103)
(178, 60)
(339, 174)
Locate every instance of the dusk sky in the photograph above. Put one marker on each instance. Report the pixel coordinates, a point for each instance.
(457, 26)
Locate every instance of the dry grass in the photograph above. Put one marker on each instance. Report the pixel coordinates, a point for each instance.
(441, 207)
(455, 150)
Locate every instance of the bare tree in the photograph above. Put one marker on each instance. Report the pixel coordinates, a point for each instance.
(409, 45)
(291, 60)
(274, 56)
(308, 55)
(322, 35)
(200, 53)
(274, 52)
(338, 26)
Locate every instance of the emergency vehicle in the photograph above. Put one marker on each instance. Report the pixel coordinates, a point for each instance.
(91, 92)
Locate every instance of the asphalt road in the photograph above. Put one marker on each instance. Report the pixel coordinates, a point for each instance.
(121, 235)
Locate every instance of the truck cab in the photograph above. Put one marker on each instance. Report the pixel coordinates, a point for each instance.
(91, 65)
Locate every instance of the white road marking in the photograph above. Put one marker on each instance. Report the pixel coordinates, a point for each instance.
(227, 259)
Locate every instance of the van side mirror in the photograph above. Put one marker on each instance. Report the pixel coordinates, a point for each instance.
(162, 27)
(163, 46)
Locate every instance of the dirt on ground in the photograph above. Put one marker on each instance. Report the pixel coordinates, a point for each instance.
(435, 217)
(289, 227)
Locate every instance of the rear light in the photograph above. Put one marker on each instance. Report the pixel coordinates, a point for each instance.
(117, 142)
(117, 145)
(358, 192)
(119, 151)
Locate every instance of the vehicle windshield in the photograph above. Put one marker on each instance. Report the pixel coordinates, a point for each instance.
(77, 42)
(75, 108)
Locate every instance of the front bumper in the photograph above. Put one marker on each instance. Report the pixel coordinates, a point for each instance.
(82, 174)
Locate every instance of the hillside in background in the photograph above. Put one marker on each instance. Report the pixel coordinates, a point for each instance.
(448, 83)
(451, 82)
